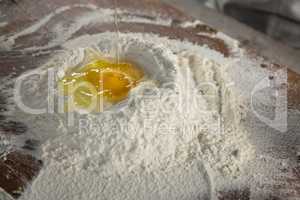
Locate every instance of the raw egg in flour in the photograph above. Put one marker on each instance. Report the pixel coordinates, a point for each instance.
(100, 81)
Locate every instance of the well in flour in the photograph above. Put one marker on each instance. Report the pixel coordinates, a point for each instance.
(169, 121)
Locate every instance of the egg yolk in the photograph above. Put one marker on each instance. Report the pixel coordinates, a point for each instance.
(100, 80)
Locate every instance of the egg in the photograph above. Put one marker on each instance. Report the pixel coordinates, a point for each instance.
(100, 81)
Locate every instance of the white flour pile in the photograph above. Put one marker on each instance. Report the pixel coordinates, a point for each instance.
(179, 130)
(181, 121)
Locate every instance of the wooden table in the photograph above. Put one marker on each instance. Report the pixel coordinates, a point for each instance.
(16, 16)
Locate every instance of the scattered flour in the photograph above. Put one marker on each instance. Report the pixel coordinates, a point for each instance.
(177, 132)
(65, 29)
(183, 117)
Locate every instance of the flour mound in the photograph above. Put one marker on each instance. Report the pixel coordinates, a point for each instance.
(186, 114)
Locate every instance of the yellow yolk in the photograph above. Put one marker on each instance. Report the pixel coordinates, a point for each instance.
(100, 80)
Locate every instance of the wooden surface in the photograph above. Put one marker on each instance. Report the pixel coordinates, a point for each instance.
(250, 38)
(18, 15)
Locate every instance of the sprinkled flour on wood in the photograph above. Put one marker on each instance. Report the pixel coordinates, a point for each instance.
(177, 129)
(181, 121)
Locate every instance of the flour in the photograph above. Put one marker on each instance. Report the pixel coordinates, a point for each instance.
(4, 196)
(180, 125)
(65, 29)
(176, 134)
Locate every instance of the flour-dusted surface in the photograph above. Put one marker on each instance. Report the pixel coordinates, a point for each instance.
(184, 133)
(179, 122)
